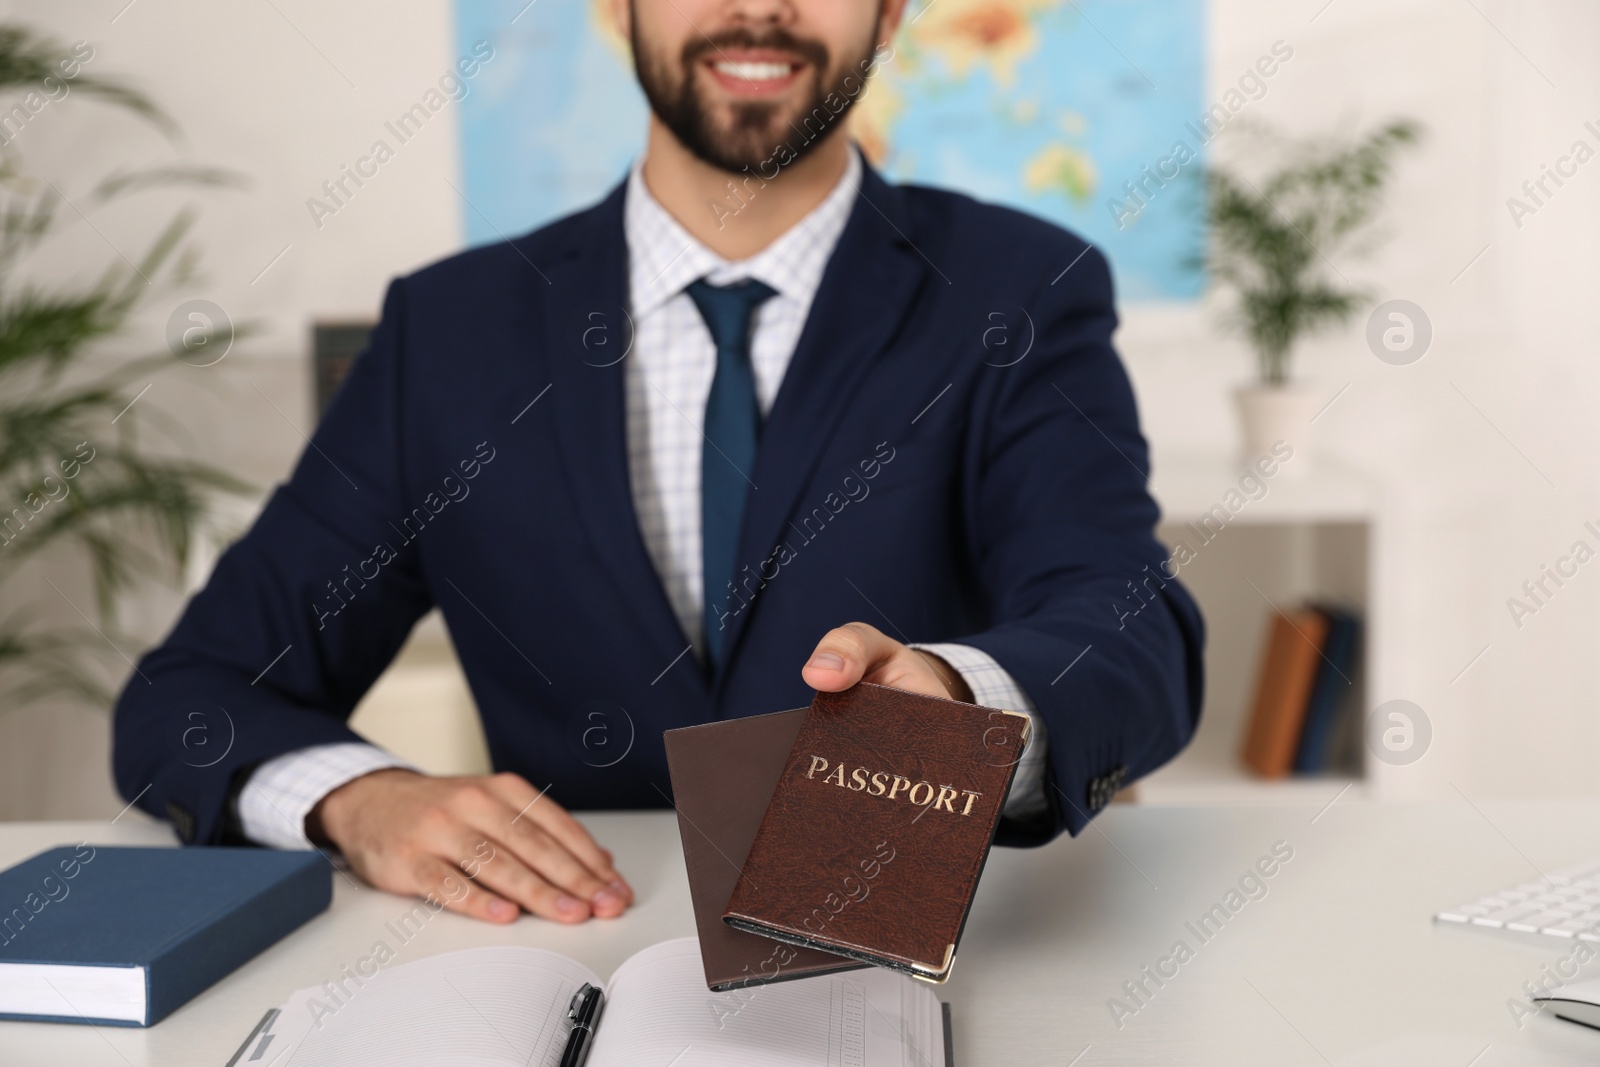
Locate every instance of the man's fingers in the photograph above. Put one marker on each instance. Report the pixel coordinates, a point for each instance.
(844, 655)
(515, 790)
(856, 651)
(614, 894)
(560, 887)
(920, 672)
(508, 875)
(435, 877)
(459, 839)
(539, 819)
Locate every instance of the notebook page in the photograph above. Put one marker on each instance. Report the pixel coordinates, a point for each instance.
(484, 1007)
(659, 1008)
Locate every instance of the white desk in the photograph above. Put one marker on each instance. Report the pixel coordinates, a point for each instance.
(1338, 964)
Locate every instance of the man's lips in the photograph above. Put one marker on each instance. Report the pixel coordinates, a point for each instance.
(755, 73)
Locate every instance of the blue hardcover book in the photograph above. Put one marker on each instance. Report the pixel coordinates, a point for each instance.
(1332, 682)
(126, 936)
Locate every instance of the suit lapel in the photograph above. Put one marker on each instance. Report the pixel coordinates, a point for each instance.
(867, 289)
(588, 337)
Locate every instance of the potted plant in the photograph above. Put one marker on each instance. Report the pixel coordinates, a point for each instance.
(1272, 243)
(74, 475)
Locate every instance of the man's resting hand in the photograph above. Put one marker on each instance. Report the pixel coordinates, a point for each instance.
(409, 833)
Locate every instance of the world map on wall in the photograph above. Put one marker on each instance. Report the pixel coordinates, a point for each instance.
(1061, 108)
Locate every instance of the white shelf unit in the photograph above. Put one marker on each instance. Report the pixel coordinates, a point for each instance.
(1309, 533)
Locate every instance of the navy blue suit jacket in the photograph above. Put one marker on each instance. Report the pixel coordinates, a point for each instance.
(954, 455)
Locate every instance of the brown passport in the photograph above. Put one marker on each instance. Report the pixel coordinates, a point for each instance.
(723, 774)
(878, 830)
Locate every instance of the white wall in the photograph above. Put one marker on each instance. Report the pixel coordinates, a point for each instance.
(1473, 514)
(1471, 517)
(252, 94)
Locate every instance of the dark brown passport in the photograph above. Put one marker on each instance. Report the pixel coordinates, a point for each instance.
(877, 832)
(723, 774)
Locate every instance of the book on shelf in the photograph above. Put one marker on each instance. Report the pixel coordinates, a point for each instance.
(1302, 689)
(1283, 687)
(1334, 682)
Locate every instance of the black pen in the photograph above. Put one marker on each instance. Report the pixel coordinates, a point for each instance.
(584, 1011)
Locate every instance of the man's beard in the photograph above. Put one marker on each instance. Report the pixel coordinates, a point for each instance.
(757, 128)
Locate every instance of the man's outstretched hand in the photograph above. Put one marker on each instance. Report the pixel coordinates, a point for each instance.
(856, 652)
(412, 834)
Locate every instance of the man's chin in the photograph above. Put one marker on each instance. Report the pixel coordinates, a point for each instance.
(743, 136)
(742, 148)
(735, 155)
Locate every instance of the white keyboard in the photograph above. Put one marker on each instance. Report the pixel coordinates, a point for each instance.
(1566, 904)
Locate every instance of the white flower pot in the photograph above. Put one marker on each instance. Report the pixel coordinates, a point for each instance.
(1277, 418)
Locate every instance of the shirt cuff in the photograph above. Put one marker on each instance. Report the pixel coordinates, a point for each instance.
(993, 687)
(280, 794)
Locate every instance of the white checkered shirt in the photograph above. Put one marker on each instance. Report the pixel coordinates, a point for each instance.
(667, 383)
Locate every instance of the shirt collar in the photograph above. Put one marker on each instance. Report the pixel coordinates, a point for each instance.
(663, 258)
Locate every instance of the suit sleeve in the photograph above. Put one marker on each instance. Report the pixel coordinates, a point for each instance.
(299, 618)
(1086, 614)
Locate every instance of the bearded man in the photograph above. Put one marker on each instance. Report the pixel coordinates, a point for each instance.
(741, 430)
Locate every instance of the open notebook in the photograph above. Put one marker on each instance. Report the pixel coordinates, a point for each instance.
(507, 1006)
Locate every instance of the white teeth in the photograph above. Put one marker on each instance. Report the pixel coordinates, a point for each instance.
(755, 72)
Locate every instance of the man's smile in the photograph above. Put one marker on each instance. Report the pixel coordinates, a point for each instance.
(755, 73)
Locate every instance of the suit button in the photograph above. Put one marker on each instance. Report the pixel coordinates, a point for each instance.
(182, 821)
(1103, 788)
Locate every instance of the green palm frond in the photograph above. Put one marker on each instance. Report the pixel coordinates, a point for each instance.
(137, 181)
(74, 473)
(38, 662)
(1271, 241)
(33, 61)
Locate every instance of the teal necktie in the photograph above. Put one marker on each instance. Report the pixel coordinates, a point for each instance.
(728, 456)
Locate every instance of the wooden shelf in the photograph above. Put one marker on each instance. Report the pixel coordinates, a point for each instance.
(1307, 533)
(1209, 772)
(1190, 485)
